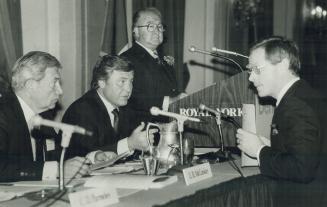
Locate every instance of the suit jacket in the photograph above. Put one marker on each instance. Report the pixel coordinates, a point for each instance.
(90, 112)
(16, 157)
(297, 157)
(153, 80)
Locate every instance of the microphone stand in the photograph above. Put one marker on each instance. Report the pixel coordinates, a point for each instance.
(180, 127)
(66, 136)
(223, 156)
(47, 194)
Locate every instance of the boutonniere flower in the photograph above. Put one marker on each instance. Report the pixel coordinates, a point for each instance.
(169, 60)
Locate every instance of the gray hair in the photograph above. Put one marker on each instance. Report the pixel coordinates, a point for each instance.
(32, 66)
(140, 12)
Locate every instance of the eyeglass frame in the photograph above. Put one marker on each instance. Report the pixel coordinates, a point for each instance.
(255, 69)
(157, 26)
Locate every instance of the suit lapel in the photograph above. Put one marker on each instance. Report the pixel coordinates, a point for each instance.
(106, 122)
(23, 134)
(153, 64)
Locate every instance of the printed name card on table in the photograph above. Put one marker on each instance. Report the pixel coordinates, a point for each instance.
(98, 197)
(197, 173)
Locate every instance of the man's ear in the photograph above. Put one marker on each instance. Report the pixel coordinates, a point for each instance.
(285, 63)
(101, 83)
(30, 84)
(136, 33)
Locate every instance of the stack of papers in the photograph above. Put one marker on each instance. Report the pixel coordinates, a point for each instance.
(117, 169)
(130, 181)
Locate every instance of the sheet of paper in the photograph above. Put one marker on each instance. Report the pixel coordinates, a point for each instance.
(10, 192)
(130, 181)
(248, 123)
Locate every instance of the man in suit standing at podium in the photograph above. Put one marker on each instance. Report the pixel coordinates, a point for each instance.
(295, 157)
(36, 89)
(155, 81)
(101, 110)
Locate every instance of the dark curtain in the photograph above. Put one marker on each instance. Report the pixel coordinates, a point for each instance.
(311, 36)
(10, 39)
(115, 31)
(173, 13)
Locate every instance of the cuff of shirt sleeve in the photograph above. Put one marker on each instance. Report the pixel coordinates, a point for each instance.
(165, 103)
(91, 156)
(50, 170)
(122, 146)
(258, 153)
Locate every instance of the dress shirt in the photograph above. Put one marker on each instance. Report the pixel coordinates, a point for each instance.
(278, 99)
(122, 145)
(50, 168)
(153, 53)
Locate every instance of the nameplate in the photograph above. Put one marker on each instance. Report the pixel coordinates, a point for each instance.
(197, 173)
(98, 197)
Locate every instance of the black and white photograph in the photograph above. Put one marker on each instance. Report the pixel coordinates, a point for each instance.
(163, 103)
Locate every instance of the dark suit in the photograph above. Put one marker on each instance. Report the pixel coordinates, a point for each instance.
(16, 157)
(153, 79)
(297, 156)
(90, 112)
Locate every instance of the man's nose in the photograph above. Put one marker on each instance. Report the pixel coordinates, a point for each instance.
(251, 77)
(59, 90)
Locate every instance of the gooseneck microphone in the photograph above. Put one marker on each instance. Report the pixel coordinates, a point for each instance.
(38, 121)
(156, 112)
(214, 54)
(217, 113)
(228, 52)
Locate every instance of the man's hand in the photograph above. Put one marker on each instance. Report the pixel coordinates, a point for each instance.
(248, 142)
(104, 156)
(138, 139)
(76, 167)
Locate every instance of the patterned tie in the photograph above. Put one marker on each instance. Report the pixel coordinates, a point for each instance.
(115, 112)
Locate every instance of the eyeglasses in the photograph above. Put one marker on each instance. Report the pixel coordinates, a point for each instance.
(255, 69)
(152, 27)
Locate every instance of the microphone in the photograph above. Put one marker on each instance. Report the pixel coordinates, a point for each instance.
(217, 113)
(194, 49)
(156, 112)
(38, 121)
(228, 52)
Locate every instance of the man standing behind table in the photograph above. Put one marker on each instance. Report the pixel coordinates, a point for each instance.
(155, 81)
(36, 88)
(101, 111)
(296, 157)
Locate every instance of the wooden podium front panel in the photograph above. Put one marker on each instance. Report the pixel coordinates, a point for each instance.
(226, 96)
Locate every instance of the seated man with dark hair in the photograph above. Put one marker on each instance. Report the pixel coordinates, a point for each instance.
(101, 111)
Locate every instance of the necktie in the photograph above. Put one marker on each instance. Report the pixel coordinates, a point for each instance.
(39, 144)
(116, 120)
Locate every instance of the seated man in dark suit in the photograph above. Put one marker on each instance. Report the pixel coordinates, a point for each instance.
(101, 111)
(155, 82)
(36, 88)
(295, 156)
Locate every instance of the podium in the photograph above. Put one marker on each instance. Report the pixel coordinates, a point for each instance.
(227, 96)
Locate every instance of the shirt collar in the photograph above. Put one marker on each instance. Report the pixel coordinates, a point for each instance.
(28, 112)
(107, 104)
(153, 53)
(285, 89)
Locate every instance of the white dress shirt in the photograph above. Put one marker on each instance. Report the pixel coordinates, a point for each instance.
(122, 145)
(50, 168)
